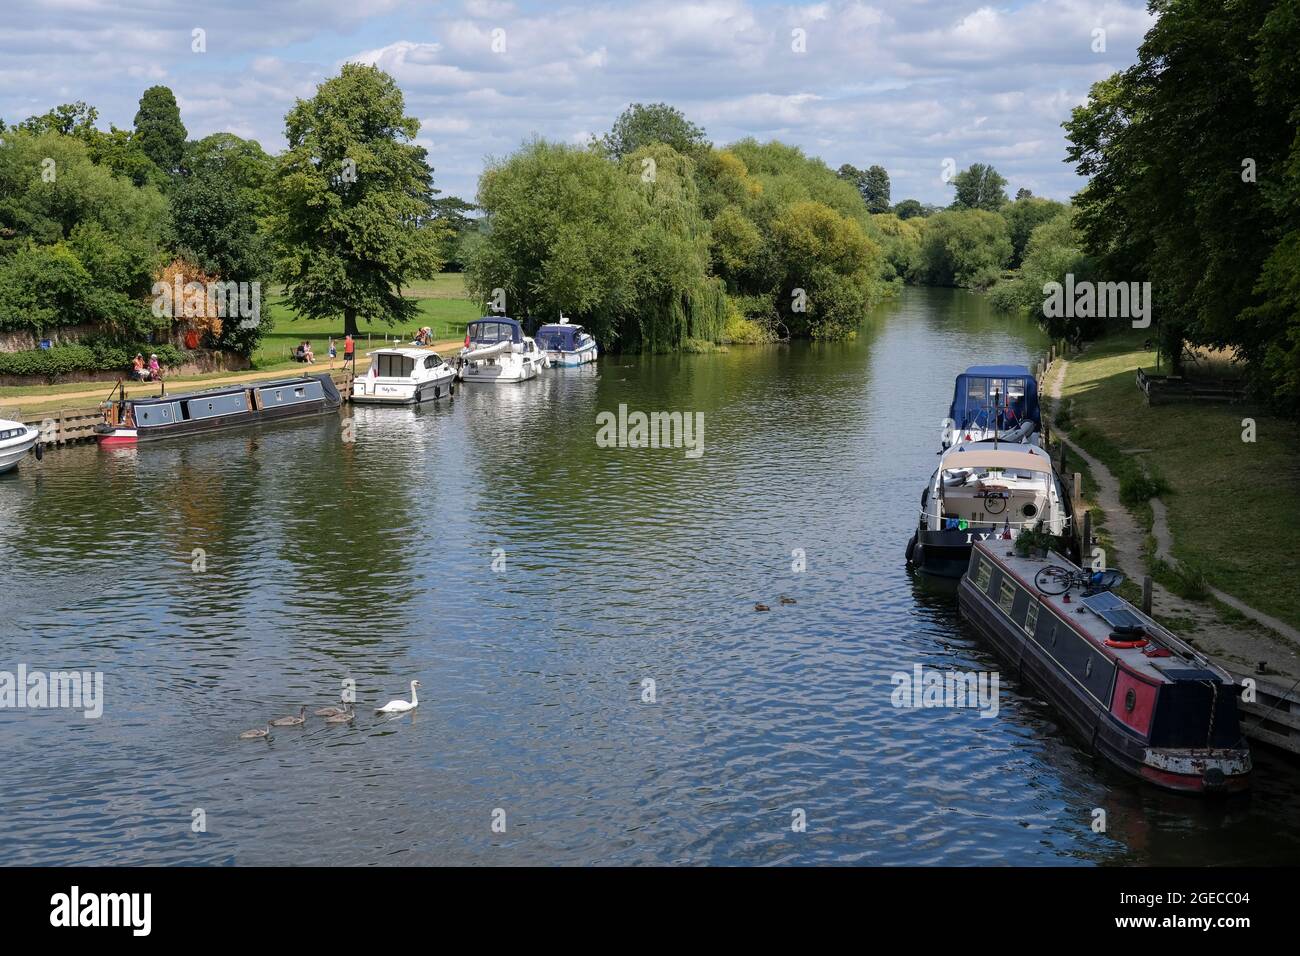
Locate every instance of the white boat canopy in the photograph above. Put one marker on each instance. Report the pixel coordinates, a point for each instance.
(1005, 460)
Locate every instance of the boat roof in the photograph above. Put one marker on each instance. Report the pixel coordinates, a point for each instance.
(551, 326)
(407, 351)
(998, 371)
(988, 458)
(516, 330)
(1088, 616)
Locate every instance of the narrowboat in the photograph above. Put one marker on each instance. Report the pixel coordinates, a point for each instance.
(127, 421)
(985, 490)
(566, 344)
(16, 440)
(1138, 695)
(403, 376)
(994, 402)
(497, 351)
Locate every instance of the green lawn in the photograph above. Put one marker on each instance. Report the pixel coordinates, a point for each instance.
(442, 305)
(1233, 510)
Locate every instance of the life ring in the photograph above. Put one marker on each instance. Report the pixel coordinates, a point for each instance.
(1127, 645)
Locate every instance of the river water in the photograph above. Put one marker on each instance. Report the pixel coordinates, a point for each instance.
(536, 584)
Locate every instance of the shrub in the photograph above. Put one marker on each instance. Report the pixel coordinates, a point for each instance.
(87, 356)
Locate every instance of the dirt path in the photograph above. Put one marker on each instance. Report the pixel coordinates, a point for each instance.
(1240, 647)
(34, 402)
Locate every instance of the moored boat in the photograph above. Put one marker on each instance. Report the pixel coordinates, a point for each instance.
(403, 376)
(994, 402)
(1137, 694)
(127, 421)
(566, 344)
(497, 351)
(16, 440)
(984, 490)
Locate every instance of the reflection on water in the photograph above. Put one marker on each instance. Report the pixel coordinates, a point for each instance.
(325, 559)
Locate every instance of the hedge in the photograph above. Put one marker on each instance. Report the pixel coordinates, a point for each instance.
(84, 357)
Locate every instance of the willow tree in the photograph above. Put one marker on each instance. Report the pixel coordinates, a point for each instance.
(354, 194)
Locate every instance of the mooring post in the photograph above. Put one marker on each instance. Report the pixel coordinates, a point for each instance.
(1146, 594)
(1076, 490)
(1061, 466)
(1085, 548)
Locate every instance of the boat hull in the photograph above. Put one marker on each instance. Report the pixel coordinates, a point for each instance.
(11, 455)
(570, 359)
(496, 374)
(945, 554)
(417, 395)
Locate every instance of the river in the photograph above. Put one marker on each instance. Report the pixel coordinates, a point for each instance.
(536, 584)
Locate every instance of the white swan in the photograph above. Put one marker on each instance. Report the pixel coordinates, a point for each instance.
(401, 706)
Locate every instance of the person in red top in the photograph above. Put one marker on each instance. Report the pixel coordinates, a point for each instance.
(349, 351)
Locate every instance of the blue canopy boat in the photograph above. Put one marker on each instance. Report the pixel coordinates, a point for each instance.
(994, 402)
(566, 344)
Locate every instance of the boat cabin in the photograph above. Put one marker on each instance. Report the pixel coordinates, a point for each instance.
(1002, 397)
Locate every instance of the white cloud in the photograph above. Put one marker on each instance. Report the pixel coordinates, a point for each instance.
(904, 83)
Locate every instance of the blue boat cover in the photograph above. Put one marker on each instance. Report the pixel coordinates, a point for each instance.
(1014, 389)
(559, 337)
(490, 330)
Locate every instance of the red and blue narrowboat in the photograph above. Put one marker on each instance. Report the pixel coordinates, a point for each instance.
(1137, 694)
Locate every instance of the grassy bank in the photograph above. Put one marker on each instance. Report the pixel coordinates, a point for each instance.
(1232, 510)
(441, 302)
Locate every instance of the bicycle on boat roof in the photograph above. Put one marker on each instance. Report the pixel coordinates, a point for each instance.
(1055, 579)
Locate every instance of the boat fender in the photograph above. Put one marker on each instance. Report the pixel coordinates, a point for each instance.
(911, 546)
(918, 555)
(39, 451)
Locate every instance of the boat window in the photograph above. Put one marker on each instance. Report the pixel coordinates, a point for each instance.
(1031, 617)
(396, 366)
(983, 572)
(297, 392)
(1007, 597)
(975, 391)
(490, 333)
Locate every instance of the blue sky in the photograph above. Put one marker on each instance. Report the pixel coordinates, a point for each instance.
(907, 84)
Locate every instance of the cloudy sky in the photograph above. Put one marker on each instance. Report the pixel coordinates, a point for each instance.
(907, 84)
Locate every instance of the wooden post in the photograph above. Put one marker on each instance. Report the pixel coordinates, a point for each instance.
(1061, 467)
(1146, 595)
(1076, 491)
(1085, 547)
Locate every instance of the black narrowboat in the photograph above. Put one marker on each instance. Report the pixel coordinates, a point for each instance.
(1141, 697)
(127, 421)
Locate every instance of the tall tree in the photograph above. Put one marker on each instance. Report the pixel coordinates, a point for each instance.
(979, 187)
(645, 125)
(158, 128)
(871, 183)
(354, 195)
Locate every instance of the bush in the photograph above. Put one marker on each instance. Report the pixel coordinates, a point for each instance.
(1137, 486)
(88, 356)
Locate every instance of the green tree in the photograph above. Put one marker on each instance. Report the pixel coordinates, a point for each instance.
(158, 128)
(909, 209)
(979, 187)
(646, 124)
(458, 225)
(1023, 216)
(964, 247)
(354, 202)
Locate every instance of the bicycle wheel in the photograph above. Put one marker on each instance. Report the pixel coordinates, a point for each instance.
(1053, 579)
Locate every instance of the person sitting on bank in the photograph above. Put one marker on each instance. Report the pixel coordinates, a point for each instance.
(155, 370)
(308, 355)
(137, 368)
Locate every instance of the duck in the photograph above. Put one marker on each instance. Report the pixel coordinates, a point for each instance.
(761, 607)
(256, 734)
(342, 717)
(291, 721)
(401, 706)
(788, 600)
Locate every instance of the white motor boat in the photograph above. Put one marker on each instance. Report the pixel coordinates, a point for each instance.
(403, 376)
(16, 440)
(566, 344)
(497, 351)
(985, 490)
